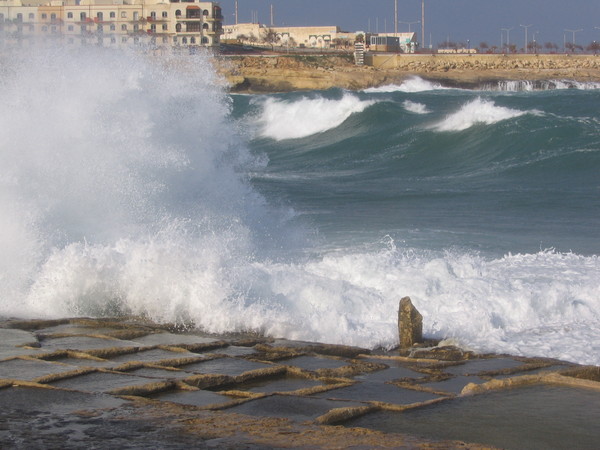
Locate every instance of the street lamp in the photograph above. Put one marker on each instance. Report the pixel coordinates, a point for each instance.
(574, 31)
(526, 27)
(507, 35)
(410, 23)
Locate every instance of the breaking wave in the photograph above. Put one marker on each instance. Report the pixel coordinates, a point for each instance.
(413, 84)
(478, 111)
(283, 119)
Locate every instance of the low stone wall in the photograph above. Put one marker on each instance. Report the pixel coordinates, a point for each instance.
(531, 66)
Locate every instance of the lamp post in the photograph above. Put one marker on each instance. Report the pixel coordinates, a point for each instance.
(507, 35)
(573, 31)
(526, 27)
(410, 23)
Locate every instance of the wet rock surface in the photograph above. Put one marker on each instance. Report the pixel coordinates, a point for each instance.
(131, 384)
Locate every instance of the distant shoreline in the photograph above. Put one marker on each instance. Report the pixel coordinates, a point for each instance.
(285, 73)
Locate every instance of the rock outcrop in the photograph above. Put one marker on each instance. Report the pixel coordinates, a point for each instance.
(410, 324)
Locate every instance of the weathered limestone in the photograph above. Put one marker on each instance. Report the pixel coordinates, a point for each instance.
(410, 324)
(282, 73)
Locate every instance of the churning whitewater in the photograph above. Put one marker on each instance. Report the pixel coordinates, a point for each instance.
(132, 184)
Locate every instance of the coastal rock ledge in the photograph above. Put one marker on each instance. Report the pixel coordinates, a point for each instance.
(283, 73)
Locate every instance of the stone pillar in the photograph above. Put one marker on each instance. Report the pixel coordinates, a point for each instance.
(410, 324)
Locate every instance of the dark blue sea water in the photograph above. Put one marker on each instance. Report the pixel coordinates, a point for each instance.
(132, 184)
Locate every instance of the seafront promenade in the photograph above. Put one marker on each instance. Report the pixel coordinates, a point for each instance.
(131, 384)
(280, 72)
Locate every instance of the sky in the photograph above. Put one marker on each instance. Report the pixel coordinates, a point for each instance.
(457, 20)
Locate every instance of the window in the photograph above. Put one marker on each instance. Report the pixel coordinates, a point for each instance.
(113, 27)
(113, 15)
(178, 13)
(31, 16)
(113, 40)
(19, 17)
(178, 28)
(205, 40)
(123, 39)
(136, 27)
(100, 16)
(70, 28)
(44, 28)
(165, 15)
(123, 27)
(44, 16)
(136, 15)
(82, 16)
(52, 16)
(205, 12)
(192, 40)
(153, 28)
(184, 40)
(69, 15)
(174, 39)
(53, 29)
(165, 27)
(100, 28)
(205, 26)
(123, 14)
(153, 15)
(82, 29)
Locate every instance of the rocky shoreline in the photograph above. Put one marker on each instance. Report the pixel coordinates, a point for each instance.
(284, 73)
(129, 383)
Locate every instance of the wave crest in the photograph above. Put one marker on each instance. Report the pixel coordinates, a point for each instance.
(282, 119)
(476, 112)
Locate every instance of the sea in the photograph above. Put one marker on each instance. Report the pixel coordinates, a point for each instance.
(134, 183)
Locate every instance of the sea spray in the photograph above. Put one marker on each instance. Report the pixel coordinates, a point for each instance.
(122, 187)
(132, 195)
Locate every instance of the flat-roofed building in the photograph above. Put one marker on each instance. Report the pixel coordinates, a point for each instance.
(308, 37)
(112, 22)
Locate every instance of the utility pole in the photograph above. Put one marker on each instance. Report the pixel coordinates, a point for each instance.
(395, 17)
(236, 12)
(423, 22)
(526, 27)
(272, 21)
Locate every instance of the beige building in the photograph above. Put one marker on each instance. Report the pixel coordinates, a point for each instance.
(406, 41)
(111, 22)
(307, 37)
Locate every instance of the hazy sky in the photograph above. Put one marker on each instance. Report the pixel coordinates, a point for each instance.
(458, 20)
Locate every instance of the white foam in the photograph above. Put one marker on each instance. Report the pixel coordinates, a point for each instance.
(125, 196)
(542, 85)
(413, 84)
(545, 304)
(414, 107)
(282, 119)
(478, 111)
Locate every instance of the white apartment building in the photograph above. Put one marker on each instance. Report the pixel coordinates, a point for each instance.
(111, 22)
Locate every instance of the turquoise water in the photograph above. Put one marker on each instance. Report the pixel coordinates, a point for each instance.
(440, 177)
(152, 191)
